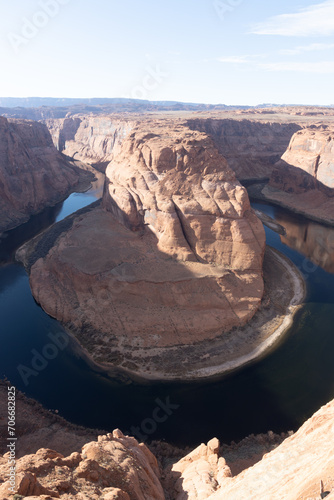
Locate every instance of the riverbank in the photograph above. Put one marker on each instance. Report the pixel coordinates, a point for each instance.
(285, 290)
(318, 209)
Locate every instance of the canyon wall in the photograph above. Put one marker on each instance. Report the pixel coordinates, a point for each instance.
(251, 148)
(89, 138)
(174, 257)
(33, 174)
(308, 162)
(303, 180)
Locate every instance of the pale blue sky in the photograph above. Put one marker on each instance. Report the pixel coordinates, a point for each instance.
(211, 51)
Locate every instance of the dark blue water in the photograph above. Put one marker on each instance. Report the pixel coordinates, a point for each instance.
(277, 393)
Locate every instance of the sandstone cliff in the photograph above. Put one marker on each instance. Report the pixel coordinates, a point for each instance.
(174, 259)
(251, 148)
(33, 174)
(303, 180)
(310, 156)
(89, 138)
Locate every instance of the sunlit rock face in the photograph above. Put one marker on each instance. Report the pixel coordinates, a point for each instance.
(33, 174)
(92, 139)
(303, 180)
(173, 258)
(113, 467)
(309, 158)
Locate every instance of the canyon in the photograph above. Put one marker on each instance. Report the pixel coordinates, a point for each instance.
(176, 237)
(289, 150)
(169, 277)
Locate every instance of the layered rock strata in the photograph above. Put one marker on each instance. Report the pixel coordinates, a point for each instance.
(91, 139)
(174, 258)
(118, 467)
(251, 148)
(33, 174)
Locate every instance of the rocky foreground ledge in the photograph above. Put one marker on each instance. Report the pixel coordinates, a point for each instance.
(85, 466)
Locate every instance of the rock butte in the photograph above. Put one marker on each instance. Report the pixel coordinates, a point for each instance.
(175, 256)
(33, 174)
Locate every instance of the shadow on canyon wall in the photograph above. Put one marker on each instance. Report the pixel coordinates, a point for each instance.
(251, 148)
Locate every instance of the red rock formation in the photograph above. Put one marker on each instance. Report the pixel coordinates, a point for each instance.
(117, 467)
(113, 468)
(303, 180)
(33, 174)
(178, 261)
(310, 151)
(292, 471)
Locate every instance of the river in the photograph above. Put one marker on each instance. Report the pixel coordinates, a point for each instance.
(277, 393)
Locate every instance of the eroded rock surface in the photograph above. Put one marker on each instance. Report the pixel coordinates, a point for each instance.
(113, 468)
(89, 138)
(118, 467)
(311, 150)
(33, 174)
(174, 258)
(303, 180)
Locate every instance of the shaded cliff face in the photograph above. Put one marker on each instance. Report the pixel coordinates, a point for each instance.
(174, 258)
(89, 138)
(251, 148)
(33, 174)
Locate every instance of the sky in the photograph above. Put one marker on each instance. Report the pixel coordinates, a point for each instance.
(244, 52)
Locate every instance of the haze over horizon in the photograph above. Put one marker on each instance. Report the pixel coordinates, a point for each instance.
(215, 52)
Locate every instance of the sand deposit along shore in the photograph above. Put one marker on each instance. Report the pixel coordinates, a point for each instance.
(285, 290)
